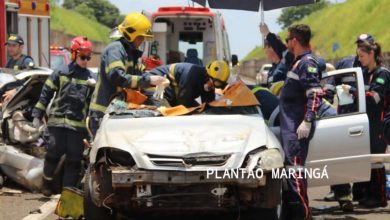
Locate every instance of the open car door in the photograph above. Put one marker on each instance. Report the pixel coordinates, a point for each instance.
(341, 143)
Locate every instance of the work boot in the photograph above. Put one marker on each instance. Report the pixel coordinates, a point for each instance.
(46, 188)
(373, 203)
(346, 206)
(330, 197)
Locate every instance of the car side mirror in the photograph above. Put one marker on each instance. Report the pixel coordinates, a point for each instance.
(234, 60)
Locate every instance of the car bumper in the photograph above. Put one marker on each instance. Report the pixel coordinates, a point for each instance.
(130, 178)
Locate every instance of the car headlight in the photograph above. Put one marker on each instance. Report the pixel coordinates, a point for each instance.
(270, 159)
(119, 157)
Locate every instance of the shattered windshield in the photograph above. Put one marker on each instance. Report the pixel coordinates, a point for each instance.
(119, 109)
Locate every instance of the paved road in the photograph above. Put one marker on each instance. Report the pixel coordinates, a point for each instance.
(15, 206)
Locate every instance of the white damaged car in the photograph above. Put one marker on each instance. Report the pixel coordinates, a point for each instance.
(141, 162)
(218, 160)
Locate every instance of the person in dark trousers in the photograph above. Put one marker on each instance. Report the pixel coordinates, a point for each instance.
(189, 81)
(386, 125)
(377, 81)
(299, 101)
(276, 51)
(118, 66)
(72, 86)
(17, 60)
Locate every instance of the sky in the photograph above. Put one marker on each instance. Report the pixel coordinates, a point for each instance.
(242, 26)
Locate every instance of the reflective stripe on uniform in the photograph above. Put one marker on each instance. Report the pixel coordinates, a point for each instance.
(128, 64)
(95, 93)
(171, 75)
(376, 97)
(134, 81)
(73, 123)
(79, 81)
(64, 79)
(313, 90)
(258, 88)
(97, 107)
(40, 106)
(328, 103)
(115, 64)
(50, 84)
(292, 75)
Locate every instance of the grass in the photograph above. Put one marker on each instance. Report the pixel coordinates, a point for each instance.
(342, 23)
(75, 24)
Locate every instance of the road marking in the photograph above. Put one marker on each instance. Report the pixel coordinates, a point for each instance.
(46, 209)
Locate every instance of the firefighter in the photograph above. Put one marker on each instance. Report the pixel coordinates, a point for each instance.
(72, 86)
(276, 51)
(377, 81)
(189, 81)
(300, 98)
(118, 67)
(17, 61)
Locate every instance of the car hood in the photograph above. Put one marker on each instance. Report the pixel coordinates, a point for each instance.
(183, 136)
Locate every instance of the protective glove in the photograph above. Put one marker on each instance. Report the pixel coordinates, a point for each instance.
(91, 82)
(264, 29)
(346, 88)
(160, 88)
(156, 80)
(37, 123)
(303, 130)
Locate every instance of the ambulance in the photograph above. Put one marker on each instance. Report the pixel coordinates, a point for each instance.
(188, 34)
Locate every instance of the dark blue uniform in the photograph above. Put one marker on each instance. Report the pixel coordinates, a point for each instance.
(186, 83)
(386, 125)
(279, 70)
(118, 69)
(66, 121)
(24, 62)
(300, 98)
(377, 99)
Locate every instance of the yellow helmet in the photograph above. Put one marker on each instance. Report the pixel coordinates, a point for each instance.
(134, 25)
(219, 71)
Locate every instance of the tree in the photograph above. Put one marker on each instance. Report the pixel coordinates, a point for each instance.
(103, 11)
(293, 14)
(86, 11)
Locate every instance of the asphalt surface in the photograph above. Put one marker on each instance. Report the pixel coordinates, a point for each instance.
(17, 203)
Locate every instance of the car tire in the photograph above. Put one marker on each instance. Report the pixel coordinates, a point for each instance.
(92, 211)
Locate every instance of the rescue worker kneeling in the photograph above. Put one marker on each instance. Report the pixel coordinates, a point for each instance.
(189, 81)
(72, 85)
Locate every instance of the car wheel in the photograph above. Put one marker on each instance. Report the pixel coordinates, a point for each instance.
(92, 211)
